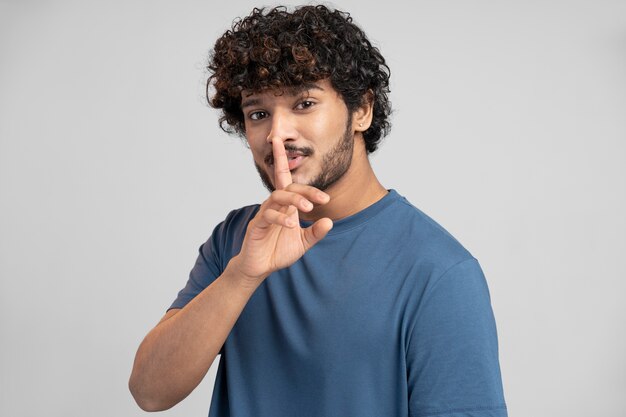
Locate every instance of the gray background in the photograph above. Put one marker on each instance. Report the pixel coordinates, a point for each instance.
(508, 130)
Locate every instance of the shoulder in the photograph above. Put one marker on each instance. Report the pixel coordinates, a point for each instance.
(240, 217)
(235, 223)
(424, 237)
(227, 235)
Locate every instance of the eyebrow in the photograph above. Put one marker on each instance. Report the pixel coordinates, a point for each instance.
(292, 91)
(250, 102)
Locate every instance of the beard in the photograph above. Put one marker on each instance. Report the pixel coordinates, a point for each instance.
(335, 162)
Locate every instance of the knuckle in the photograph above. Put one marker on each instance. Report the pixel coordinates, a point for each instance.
(276, 195)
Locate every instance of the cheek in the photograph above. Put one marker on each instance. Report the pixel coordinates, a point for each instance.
(329, 128)
(259, 151)
(258, 157)
(256, 143)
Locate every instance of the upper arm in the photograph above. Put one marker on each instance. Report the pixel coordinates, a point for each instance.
(452, 351)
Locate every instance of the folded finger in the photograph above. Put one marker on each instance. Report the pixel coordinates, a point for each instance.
(280, 198)
(276, 217)
(313, 194)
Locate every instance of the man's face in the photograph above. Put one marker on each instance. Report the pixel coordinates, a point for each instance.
(313, 123)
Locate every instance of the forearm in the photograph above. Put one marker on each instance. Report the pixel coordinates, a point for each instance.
(175, 356)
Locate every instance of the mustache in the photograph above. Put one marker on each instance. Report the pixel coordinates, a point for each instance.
(304, 151)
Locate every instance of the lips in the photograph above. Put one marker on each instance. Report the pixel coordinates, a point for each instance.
(294, 159)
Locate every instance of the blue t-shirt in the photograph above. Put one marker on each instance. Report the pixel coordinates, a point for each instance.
(388, 315)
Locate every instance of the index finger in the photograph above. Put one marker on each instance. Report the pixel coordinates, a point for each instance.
(282, 175)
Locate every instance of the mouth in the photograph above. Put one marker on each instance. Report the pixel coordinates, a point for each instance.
(294, 159)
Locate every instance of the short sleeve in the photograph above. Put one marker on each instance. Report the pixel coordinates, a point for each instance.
(206, 269)
(452, 351)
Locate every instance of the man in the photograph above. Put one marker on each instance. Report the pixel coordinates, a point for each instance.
(335, 296)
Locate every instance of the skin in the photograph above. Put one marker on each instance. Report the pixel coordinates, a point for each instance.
(177, 353)
(314, 119)
(334, 162)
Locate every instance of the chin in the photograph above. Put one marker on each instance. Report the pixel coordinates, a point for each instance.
(300, 175)
(299, 179)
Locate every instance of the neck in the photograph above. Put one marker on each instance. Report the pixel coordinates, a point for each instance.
(356, 190)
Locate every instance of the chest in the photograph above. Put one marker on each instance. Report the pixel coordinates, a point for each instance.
(348, 311)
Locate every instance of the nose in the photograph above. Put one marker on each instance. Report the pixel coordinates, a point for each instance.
(283, 127)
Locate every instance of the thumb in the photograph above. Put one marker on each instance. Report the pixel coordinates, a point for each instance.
(316, 232)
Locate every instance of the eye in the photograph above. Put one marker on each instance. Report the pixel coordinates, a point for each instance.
(304, 104)
(257, 115)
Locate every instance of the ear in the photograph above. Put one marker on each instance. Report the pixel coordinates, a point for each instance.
(362, 116)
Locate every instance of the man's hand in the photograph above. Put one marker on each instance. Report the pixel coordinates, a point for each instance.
(274, 238)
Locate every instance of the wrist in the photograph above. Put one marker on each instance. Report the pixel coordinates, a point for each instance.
(237, 275)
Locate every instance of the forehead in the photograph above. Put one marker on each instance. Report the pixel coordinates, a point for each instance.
(250, 98)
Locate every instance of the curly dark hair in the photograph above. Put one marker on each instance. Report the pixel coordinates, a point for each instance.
(278, 49)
